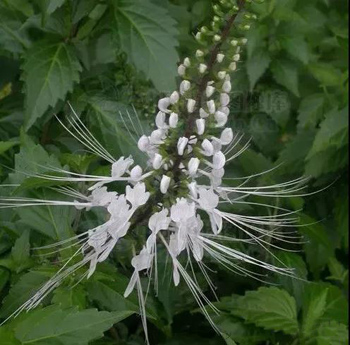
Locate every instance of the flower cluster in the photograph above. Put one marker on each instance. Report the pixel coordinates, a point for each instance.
(181, 190)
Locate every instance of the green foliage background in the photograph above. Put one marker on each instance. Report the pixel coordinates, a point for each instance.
(106, 56)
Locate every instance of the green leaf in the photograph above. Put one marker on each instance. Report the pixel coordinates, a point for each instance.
(326, 74)
(337, 271)
(333, 132)
(53, 5)
(297, 47)
(22, 290)
(50, 71)
(6, 145)
(332, 333)
(286, 74)
(315, 301)
(311, 110)
(51, 326)
(269, 308)
(13, 36)
(148, 36)
(21, 252)
(4, 277)
(8, 337)
(257, 65)
(67, 297)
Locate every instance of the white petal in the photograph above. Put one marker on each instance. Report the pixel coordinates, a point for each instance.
(181, 70)
(164, 184)
(233, 66)
(220, 58)
(207, 147)
(211, 107)
(226, 136)
(160, 120)
(200, 126)
(157, 161)
(224, 99)
(191, 103)
(181, 145)
(143, 143)
(221, 118)
(203, 114)
(187, 62)
(219, 160)
(199, 53)
(173, 120)
(236, 57)
(209, 91)
(184, 86)
(136, 173)
(222, 75)
(193, 165)
(227, 87)
(163, 105)
(174, 98)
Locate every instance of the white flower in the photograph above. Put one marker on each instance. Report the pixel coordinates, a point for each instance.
(137, 195)
(221, 118)
(143, 143)
(200, 126)
(142, 261)
(233, 66)
(217, 38)
(173, 120)
(209, 91)
(193, 165)
(236, 57)
(198, 36)
(220, 58)
(157, 161)
(191, 104)
(136, 173)
(160, 120)
(199, 53)
(181, 70)
(227, 87)
(157, 137)
(187, 62)
(174, 98)
(101, 197)
(211, 107)
(222, 75)
(226, 136)
(219, 160)
(163, 105)
(182, 210)
(181, 145)
(120, 167)
(164, 184)
(224, 99)
(207, 200)
(202, 68)
(184, 86)
(244, 41)
(225, 110)
(208, 149)
(202, 113)
(234, 43)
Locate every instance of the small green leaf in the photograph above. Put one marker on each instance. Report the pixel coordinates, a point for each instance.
(286, 74)
(311, 110)
(270, 308)
(148, 36)
(6, 145)
(52, 325)
(21, 252)
(297, 47)
(50, 71)
(326, 74)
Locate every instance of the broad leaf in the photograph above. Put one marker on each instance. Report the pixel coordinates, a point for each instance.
(270, 308)
(297, 47)
(51, 325)
(6, 145)
(148, 36)
(50, 71)
(257, 64)
(7, 337)
(311, 110)
(286, 74)
(332, 333)
(326, 74)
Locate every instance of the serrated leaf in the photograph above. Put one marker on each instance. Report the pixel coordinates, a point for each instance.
(315, 301)
(21, 252)
(257, 65)
(148, 36)
(67, 297)
(286, 74)
(297, 47)
(333, 132)
(311, 110)
(50, 71)
(269, 308)
(13, 36)
(22, 290)
(326, 74)
(51, 326)
(332, 333)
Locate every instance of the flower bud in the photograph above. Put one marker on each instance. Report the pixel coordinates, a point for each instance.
(224, 99)
(193, 189)
(174, 98)
(219, 160)
(211, 107)
(136, 173)
(164, 184)
(233, 66)
(236, 57)
(210, 91)
(191, 103)
(203, 114)
(244, 41)
(187, 62)
(200, 126)
(181, 145)
(221, 118)
(156, 137)
(199, 36)
(222, 75)
(226, 136)
(202, 68)
(234, 43)
(225, 110)
(163, 104)
(181, 70)
(184, 86)
(220, 58)
(217, 38)
(193, 165)
(227, 87)
(143, 143)
(160, 120)
(199, 53)
(173, 120)
(157, 161)
(207, 146)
